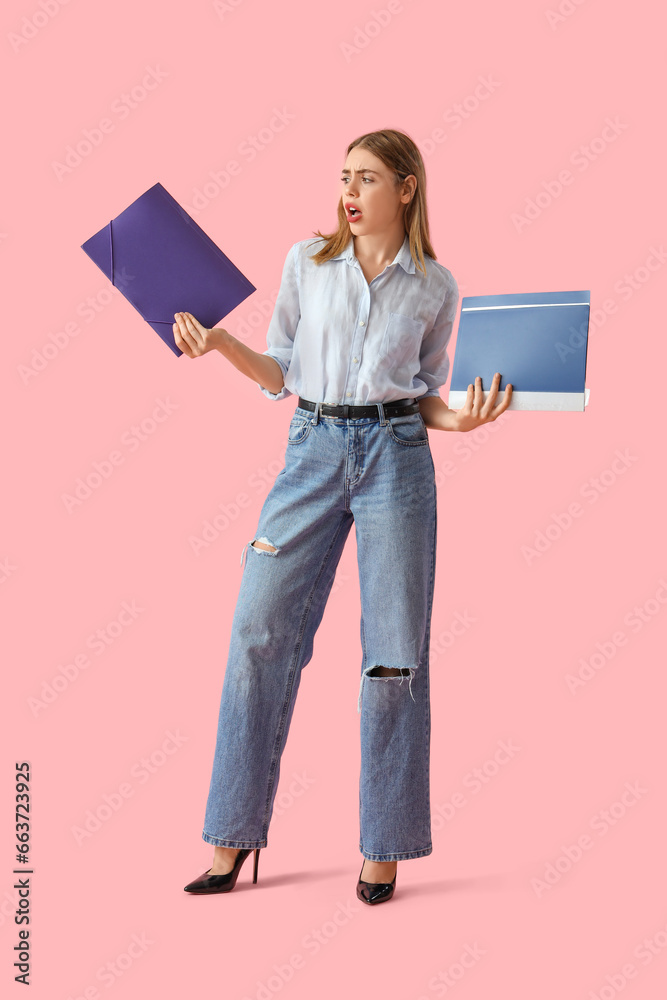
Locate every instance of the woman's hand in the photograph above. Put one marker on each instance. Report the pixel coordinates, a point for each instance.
(194, 339)
(476, 410)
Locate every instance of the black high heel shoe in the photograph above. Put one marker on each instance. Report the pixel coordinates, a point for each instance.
(375, 892)
(206, 883)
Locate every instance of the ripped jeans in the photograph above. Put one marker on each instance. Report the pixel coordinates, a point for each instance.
(379, 473)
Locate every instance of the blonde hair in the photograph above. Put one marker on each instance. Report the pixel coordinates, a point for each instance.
(400, 154)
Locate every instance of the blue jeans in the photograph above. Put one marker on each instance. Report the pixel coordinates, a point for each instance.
(379, 473)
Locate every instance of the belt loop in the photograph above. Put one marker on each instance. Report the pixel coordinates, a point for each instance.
(383, 419)
(315, 419)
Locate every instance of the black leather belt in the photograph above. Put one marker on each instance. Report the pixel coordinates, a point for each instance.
(397, 407)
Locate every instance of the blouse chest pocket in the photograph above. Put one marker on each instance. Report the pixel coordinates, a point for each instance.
(401, 342)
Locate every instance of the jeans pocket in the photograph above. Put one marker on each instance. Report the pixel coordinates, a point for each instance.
(299, 429)
(408, 430)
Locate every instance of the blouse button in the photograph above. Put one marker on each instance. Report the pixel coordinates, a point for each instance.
(348, 393)
(362, 322)
(356, 360)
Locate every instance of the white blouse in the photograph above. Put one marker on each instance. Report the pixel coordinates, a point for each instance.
(339, 339)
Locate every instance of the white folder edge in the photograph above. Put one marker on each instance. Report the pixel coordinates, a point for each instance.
(565, 401)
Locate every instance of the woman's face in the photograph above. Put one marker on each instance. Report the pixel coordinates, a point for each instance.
(369, 186)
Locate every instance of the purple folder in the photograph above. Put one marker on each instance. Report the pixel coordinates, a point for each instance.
(164, 263)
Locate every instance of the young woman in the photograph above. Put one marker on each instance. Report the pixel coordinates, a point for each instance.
(359, 334)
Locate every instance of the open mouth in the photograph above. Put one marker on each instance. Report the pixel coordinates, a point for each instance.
(353, 212)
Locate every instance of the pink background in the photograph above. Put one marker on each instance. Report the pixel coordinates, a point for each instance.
(596, 593)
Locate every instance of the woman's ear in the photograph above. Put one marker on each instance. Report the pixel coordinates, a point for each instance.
(410, 183)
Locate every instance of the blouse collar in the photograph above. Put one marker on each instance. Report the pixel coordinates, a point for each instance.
(403, 257)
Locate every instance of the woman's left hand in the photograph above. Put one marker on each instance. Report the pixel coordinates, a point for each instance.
(192, 338)
(476, 410)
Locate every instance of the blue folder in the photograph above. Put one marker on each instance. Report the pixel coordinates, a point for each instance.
(164, 263)
(538, 341)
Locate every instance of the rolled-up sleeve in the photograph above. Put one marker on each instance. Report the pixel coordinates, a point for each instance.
(284, 321)
(433, 355)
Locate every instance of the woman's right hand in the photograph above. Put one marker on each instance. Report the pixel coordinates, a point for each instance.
(193, 339)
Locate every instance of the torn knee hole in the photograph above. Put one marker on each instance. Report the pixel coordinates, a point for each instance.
(389, 672)
(264, 544)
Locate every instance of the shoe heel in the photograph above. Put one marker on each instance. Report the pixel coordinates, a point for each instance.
(256, 865)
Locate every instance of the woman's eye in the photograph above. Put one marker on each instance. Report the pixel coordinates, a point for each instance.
(369, 179)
